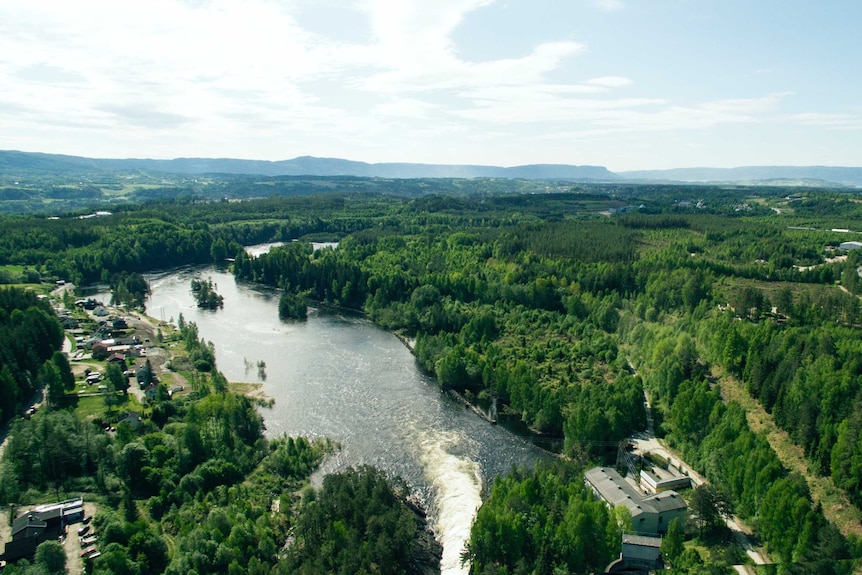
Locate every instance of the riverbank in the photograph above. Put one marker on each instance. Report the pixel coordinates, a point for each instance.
(467, 404)
(428, 553)
(252, 391)
(410, 343)
(167, 355)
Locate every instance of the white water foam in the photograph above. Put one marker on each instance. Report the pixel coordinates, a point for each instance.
(457, 483)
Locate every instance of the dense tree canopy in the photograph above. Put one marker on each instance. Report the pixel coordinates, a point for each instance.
(543, 522)
(357, 523)
(29, 336)
(542, 304)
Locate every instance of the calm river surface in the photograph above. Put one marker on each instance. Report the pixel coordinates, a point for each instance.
(337, 375)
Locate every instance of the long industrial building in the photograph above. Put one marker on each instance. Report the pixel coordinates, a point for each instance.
(651, 514)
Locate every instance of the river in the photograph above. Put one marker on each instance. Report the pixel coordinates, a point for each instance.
(337, 375)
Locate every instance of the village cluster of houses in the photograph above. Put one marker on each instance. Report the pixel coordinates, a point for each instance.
(109, 342)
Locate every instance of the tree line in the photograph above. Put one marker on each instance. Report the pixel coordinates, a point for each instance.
(30, 336)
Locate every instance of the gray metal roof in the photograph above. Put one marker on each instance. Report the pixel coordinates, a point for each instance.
(642, 540)
(614, 489)
(666, 501)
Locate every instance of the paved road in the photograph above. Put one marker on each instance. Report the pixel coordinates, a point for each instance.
(739, 529)
(34, 401)
(648, 443)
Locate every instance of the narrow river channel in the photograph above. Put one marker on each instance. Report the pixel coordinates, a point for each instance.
(339, 376)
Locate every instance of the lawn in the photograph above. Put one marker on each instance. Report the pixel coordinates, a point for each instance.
(12, 270)
(72, 343)
(93, 406)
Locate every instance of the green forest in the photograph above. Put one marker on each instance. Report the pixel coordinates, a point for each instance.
(564, 308)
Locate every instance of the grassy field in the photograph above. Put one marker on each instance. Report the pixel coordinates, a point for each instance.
(128, 190)
(836, 504)
(11, 276)
(93, 406)
(728, 286)
(12, 270)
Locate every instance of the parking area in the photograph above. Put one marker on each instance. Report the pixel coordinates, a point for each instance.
(76, 544)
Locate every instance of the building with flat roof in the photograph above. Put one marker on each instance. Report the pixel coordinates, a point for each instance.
(651, 514)
(655, 483)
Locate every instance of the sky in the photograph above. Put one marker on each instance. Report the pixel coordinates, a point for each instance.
(626, 84)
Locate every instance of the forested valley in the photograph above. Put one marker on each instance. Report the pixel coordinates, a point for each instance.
(562, 309)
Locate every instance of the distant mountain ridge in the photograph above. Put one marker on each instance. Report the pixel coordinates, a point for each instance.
(780, 175)
(10, 161)
(18, 164)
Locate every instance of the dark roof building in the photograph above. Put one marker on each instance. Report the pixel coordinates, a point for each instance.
(41, 524)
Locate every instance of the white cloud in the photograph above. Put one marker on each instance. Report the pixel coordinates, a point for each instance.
(827, 120)
(413, 50)
(552, 105)
(443, 71)
(244, 78)
(405, 108)
(145, 116)
(46, 73)
(171, 60)
(609, 5)
(610, 81)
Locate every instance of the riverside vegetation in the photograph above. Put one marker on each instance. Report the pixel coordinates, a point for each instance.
(542, 303)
